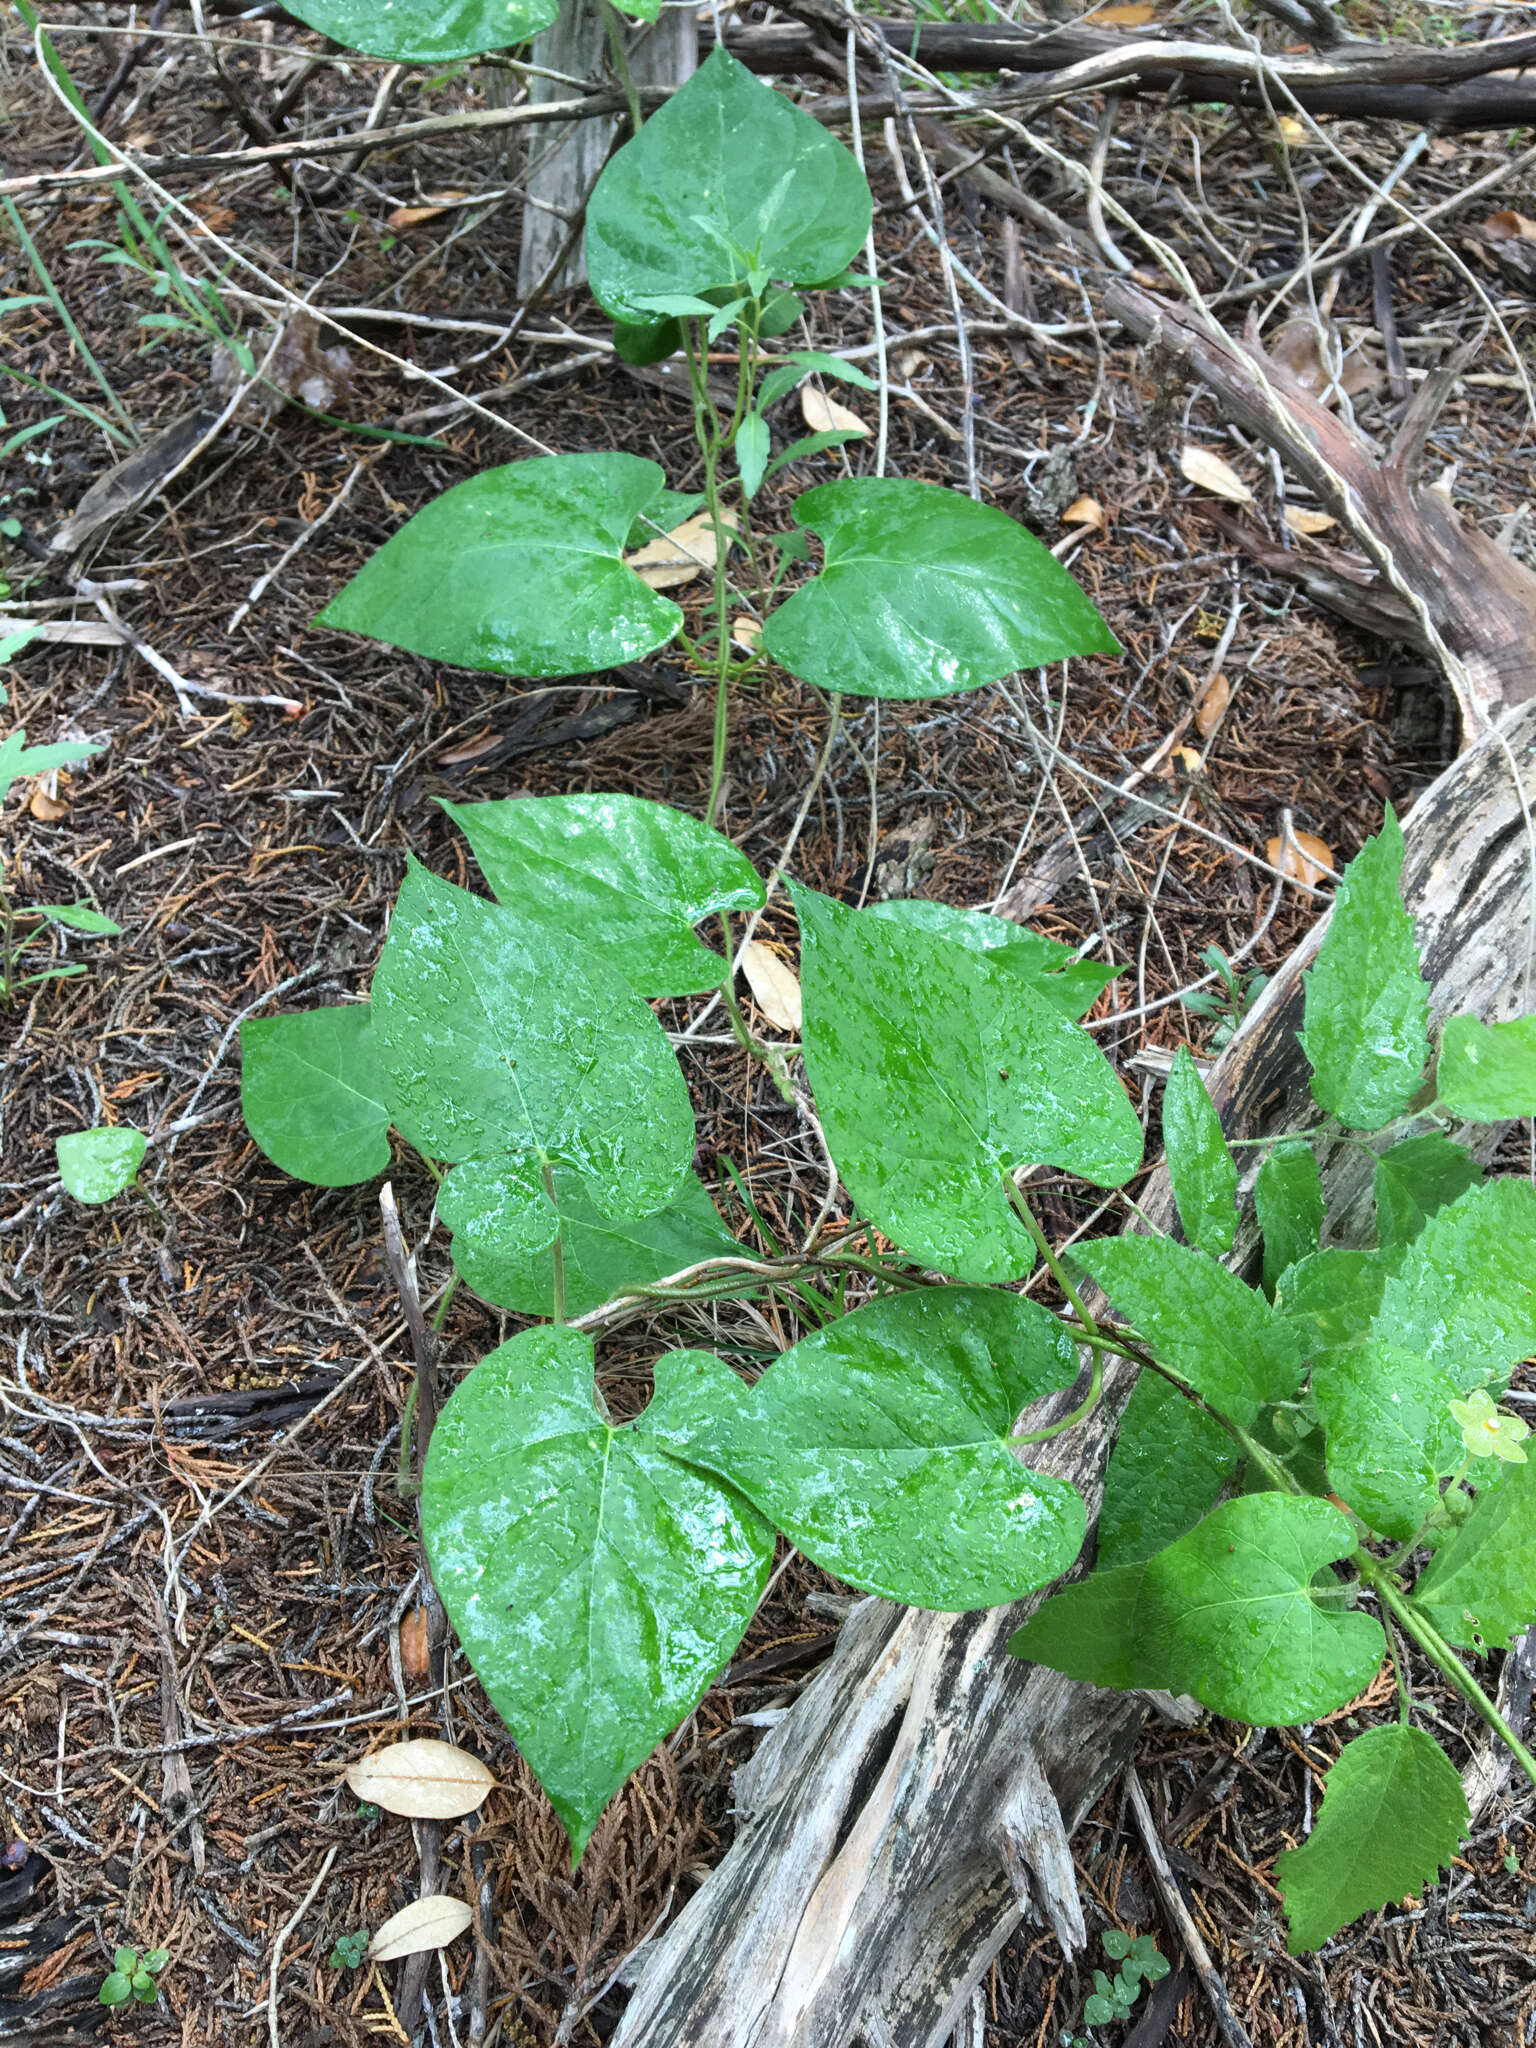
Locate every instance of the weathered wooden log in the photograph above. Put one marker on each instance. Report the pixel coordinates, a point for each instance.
(918, 1798)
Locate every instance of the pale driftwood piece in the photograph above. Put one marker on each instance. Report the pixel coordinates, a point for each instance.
(563, 165)
(918, 1799)
(1431, 578)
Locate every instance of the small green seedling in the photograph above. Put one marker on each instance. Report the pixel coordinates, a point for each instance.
(1113, 1997)
(97, 1164)
(1229, 1002)
(349, 1950)
(132, 1977)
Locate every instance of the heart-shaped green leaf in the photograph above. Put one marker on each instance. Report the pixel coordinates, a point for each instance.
(629, 878)
(1480, 1590)
(503, 1043)
(1237, 1612)
(879, 1445)
(312, 1091)
(1201, 1320)
(1391, 1436)
(426, 31)
(1488, 1071)
(1052, 969)
(727, 178)
(1463, 1296)
(1200, 1167)
(600, 1256)
(923, 592)
(1393, 1813)
(937, 1070)
(98, 1164)
(519, 571)
(1366, 1002)
(1288, 1201)
(1169, 1462)
(596, 1584)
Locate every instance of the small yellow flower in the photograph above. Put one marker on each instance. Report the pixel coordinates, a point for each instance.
(1486, 1432)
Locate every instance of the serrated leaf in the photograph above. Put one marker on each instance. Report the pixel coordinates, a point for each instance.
(98, 1164)
(1169, 1462)
(936, 1070)
(1070, 985)
(626, 877)
(312, 1093)
(601, 1256)
(879, 1445)
(728, 174)
(423, 1925)
(518, 571)
(1416, 1178)
(504, 1043)
(1393, 1814)
(1288, 1201)
(1391, 1436)
(423, 1779)
(426, 31)
(1463, 1295)
(1198, 1318)
(1332, 1297)
(1366, 1002)
(596, 1584)
(1488, 1071)
(1201, 1169)
(1480, 1590)
(924, 592)
(1229, 1613)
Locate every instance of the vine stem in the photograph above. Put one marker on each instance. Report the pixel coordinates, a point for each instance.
(1080, 1413)
(1054, 1267)
(1443, 1657)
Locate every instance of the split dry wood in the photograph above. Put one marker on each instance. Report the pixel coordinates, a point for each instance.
(918, 1799)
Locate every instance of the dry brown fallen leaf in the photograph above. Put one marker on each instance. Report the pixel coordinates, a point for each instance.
(677, 557)
(1211, 703)
(1187, 759)
(213, 220)
(422, 1779)
(1307, 858)
(1124, 14)
(1508, 226)
(1207, 472)
(1085, 512)
(424, 1924)
(432, 206)
(48, 808)
(415, 1656)
(1296, 133)
(1300, 520)
(824, 415)
(747, 632)
(774, 984)
(907, 362)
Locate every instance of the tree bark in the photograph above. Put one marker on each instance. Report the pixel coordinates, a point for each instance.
(564, 161)
(917, 1800)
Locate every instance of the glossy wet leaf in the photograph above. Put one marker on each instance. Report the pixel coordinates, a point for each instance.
(923, 592)
(1393, 1815)
(1169, 1462)
(501, 1041)
(602, 1256)
(666, 510)
(1198, 1318)
(878, 1444)
(1415, 1179)
(1366, 1001)
(98, 1164)
(936, 1070)
(1480, 1590)
(1488, 1071)
(596, 1584)
(628, 878)
(518, 571)
(312, 1092)
(1052, 969)
(1288, 1201)
(423, 1779)
(1391, 1435)
(1201, 1169)
(1231, 1613)
(79, 917)
(1463, 1295)
(726, 175)
(426, 31)
(1332, 1297)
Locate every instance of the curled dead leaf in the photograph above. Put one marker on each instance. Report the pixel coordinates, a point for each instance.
(432, 207)
(1508, 226)
(422, 1779)
(1085, 512)
(1300, 520)
(1207, 472)
(424, 1924)
(1296, 133)
(907, 362)
(824, 415)
(1211, 704)
(679, 556)
(1124, 14)
(1187, 759)
(747, 632)
(1306, 858)
(415, 1656)
(774, 984)
(49, 809)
